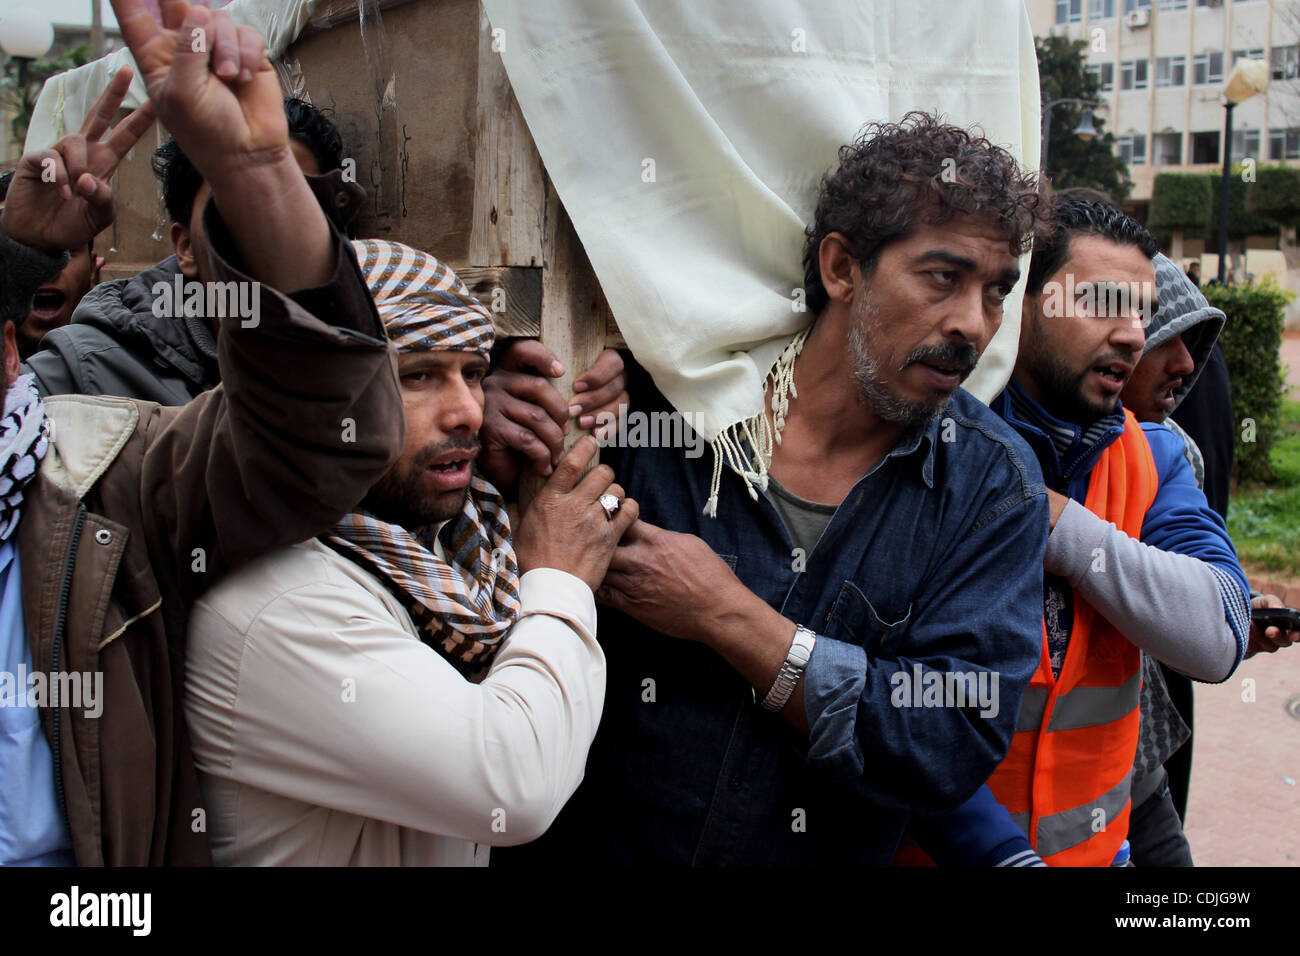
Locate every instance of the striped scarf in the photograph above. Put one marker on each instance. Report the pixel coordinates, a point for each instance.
(463, 605)
(23, 442)
(459, 582)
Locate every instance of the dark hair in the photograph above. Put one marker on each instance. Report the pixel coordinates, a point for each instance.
(1077, 217)
(181, 181)
(920, 169)
(1085, 193)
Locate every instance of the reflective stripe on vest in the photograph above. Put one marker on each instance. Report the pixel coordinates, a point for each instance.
(1062, 831)
(1067, 776)
(1091, 706)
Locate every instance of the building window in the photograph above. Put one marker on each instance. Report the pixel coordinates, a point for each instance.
(1207, 68)
(1069, 11)
(1167, 149)
(1284, 143)
(1245, 143)
(1171, 71)
(1205, 147)
(1101, 9)
(1286, 62)
(1131, 5)
(1133, 149)
(1173, 4)
(1133, 75)
(1105, 75)
(1254, 54)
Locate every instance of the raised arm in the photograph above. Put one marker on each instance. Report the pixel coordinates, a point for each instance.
(309, 414)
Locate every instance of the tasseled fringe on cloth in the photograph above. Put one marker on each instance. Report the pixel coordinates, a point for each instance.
(761, 435)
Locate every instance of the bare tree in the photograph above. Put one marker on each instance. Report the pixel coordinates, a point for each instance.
(1286, 92)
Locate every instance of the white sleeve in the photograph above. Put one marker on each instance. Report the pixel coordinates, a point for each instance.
(1168, 604)
(339, 706)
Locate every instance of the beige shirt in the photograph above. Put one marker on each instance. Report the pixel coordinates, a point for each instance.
(325, 732)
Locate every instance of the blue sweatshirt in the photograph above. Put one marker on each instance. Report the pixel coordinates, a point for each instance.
(1180, 520)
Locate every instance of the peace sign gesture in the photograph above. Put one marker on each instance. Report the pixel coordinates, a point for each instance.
(218, 94)
(60, 197)
(211, 83)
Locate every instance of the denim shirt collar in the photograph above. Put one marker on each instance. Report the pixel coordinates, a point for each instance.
(920, 440)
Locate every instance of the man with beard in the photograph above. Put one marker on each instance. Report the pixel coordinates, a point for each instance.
(1136, 561)
(792, 679)
(115, 514)
(1180, 346)
(413, 685)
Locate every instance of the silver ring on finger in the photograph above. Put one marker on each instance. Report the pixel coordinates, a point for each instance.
(610, 504)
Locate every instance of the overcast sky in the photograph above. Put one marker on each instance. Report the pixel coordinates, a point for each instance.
(61, 11)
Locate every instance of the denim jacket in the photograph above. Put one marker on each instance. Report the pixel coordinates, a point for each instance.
(934, 560)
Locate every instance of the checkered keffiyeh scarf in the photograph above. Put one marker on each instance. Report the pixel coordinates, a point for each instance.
(23, 442)
(423, 305)
(463, 604)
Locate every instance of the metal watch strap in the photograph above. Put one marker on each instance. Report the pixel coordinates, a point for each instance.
(795, 661)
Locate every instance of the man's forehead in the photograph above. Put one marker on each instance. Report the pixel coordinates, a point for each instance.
(973, 233)
(439, 357)
(1100, 254)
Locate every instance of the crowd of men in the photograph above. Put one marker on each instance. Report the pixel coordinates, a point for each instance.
(279, 552)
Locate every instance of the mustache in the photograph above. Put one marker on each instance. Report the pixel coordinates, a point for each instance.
(949, 352)
(428, 453)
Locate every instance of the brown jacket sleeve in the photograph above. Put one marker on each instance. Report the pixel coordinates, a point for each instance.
(308, 416)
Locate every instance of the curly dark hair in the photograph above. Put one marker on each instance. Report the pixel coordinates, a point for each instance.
(181, 181)
(919, 169)
(1083, 217)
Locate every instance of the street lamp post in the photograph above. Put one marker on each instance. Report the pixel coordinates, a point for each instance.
(1248, 77)
(24, 36)
(1085, 130)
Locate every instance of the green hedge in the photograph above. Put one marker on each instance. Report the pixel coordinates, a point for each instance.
(1242, 219)
(1181, 201)
(1252, 341)
(1276, 194)
(1190, 202)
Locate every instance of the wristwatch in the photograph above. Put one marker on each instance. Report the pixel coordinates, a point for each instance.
(795, 661)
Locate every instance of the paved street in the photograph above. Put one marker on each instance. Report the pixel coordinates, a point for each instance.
(1291, 356)
(1244, 808)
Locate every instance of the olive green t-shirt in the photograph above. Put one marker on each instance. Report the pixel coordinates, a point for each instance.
(804, 520)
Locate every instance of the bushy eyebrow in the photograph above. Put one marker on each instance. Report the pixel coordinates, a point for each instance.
(1009, 275)
(419, 361)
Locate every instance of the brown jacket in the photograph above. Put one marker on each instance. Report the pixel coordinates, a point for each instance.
(138, 509)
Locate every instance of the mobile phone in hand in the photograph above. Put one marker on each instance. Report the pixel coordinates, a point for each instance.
(1288, 619)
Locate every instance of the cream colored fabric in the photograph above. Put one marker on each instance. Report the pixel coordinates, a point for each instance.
(687, 139)
(66, 98)
(326, 733)
(87, 432)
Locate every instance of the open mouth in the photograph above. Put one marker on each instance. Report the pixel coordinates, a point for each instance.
(449, 467)
(47, 303)
(946, 375)
(1115, 375)
(451, 470)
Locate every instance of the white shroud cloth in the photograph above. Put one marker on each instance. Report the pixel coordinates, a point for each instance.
(687, 140)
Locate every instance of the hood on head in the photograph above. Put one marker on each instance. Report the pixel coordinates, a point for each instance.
(123, 309)
(1181, 309)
